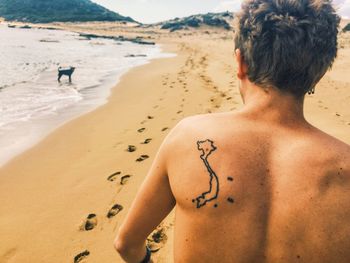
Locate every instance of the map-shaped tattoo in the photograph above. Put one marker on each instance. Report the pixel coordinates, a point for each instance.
(207, 147)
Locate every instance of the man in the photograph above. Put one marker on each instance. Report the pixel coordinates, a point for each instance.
(260, 184)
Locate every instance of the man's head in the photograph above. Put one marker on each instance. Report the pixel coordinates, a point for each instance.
(287, 44)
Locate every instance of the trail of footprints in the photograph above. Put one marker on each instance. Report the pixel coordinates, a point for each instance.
(91, 221)
(216, 99)
(180, 83)
(158, 238)
(200, 62)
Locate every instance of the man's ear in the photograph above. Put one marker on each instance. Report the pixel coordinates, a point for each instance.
(242, 67)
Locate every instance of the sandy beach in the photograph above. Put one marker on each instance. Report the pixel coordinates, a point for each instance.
(69, 194)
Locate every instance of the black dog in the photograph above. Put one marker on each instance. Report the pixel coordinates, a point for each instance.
(65, 71)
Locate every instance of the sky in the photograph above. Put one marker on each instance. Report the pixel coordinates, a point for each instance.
(151, 11)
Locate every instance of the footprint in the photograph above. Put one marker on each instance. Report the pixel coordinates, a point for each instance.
(9, 254)
(112, 177)
(147, 141)
(91, 222)
(78, 258)
(150, 117)
(157, 239)
(142, 158)
(164, 129)
(125, 179)
(180, 111)
(141, 130)
(114, 210)
(131, 148)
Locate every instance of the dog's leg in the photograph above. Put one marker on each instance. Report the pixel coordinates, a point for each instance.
(59, 77)
(70, 77)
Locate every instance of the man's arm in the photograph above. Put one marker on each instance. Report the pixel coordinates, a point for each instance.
(153, 203)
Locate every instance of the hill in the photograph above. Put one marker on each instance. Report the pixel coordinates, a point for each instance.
(346, 28)
(218, 20)
(45, 11)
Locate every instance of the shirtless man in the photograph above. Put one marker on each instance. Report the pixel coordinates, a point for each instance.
(261, 184)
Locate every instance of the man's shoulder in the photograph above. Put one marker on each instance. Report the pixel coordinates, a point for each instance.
(186, 127)
(191, 128)
(199, 119)
(329, 142)
(333, 149)
(199, 124)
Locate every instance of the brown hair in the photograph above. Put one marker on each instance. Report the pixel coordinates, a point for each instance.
(287, 44)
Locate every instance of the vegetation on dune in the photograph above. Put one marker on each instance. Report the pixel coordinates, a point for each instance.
(195, 21)
(45, 11)
(346, 28)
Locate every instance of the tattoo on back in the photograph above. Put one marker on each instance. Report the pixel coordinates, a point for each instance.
(207, 147)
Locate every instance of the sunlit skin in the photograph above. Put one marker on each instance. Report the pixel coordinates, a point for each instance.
(284, 193)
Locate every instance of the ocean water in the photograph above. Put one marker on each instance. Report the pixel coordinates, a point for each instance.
(33, 103)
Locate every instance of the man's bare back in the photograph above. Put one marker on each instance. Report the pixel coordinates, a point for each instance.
(284, 192)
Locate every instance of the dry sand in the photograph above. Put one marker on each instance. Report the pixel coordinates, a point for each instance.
(48, 192)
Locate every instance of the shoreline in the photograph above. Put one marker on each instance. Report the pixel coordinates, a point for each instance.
(83, 168)
(39, 128)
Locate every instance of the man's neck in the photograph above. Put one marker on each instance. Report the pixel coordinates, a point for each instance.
(273, 106)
